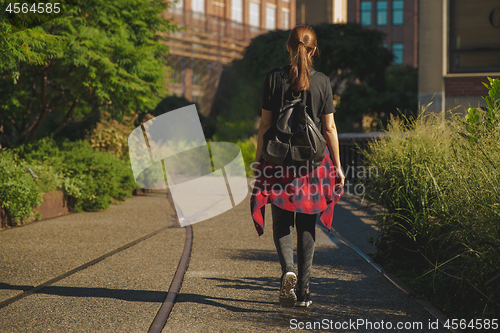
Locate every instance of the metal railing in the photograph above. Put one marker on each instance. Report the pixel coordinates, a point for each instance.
(351, 158)
(240, 33)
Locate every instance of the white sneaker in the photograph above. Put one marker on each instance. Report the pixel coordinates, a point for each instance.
(304, 301)
(287, 293)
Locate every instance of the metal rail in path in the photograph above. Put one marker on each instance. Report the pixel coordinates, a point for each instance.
(162, 315)
(77, 269)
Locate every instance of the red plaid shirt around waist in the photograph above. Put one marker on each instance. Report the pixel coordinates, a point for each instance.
(296, 190)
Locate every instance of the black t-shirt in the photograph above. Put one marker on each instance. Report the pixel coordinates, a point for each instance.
(319, 98)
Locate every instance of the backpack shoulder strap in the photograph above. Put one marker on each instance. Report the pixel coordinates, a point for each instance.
(304, 99)
(284, 75)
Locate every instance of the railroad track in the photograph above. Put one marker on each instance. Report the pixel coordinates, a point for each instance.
(165, 309)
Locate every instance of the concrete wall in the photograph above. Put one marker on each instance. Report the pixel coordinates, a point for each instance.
(313, 12)
(430, 60)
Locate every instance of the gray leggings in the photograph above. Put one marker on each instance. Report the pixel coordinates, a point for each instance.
(283, 222)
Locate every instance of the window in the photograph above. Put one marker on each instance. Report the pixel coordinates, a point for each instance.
(474, 36)
(199, 6)
(285, 19)
(254, 14)
(381, 12)
(270, 18)
(201, 72)
(339, 11)
(397, 50)
(397, 12)
(177, 64)
(366, 13)
(237, 10)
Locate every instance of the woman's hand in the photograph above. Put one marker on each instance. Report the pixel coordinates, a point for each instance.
(332, 140)
(339, 178)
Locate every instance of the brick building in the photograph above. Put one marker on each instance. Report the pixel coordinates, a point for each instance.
(217, 32)
(398, 19)
(459, 48)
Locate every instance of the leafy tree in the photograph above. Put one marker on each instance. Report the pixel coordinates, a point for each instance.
(101, 55)
(22, 47)
(349, 55)
(402, 88)
(367, 107)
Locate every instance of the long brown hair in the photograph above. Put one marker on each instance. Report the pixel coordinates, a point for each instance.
(301, 42)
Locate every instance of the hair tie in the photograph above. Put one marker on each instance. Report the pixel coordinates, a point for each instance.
(302, 43)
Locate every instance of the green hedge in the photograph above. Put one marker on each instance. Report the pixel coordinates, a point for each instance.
(92, 179)
(19, 192)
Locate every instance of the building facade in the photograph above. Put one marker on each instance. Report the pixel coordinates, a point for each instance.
(397, 19)
(313, 12)
(459, 48)
(216, 33)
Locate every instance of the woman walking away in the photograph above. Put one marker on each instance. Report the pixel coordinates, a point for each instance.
(297, 196)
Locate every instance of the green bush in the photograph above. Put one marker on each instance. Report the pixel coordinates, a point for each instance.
(91, 178)
(104, 176)
(111, 137)
(441, 228)
(484, 120)
(248, 149)
(19, 191)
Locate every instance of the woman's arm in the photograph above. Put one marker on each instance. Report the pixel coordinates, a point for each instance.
(332, 140)
(265, 122)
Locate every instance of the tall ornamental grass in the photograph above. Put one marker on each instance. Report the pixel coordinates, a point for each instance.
(439, 182)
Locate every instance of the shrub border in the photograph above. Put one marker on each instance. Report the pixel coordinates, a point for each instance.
(54, 204)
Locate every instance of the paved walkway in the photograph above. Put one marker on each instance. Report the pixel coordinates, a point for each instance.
(231, 284)
(233, 280)
(119, 294)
